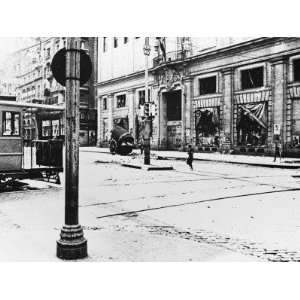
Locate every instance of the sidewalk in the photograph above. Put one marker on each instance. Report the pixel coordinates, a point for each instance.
(259, 161)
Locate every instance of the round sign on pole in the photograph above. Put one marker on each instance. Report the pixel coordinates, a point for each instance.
(58, 67)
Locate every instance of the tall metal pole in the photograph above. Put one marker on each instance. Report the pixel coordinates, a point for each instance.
(72, 244)
(147, 129)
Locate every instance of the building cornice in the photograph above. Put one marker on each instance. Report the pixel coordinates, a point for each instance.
(121, 78)
(229, 50)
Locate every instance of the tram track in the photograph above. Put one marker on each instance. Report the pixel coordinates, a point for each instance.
(195, 202)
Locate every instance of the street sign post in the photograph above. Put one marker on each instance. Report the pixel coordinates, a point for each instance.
(72, 244)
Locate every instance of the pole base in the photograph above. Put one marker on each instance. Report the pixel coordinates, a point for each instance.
(72, 244)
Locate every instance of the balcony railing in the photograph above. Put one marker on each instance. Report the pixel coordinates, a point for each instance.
(172, 56)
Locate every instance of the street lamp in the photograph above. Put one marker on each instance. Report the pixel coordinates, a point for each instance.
(72, 244)
(147, 128)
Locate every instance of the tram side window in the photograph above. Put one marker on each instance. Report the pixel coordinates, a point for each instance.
(11, 123)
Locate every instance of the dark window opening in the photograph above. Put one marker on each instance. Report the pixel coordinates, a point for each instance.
(173, 106)
(125, 40)
(92, 116)
(104, 103)
(11, 123)
(121, 101)
(115, 42)
(252, 78)
(104, 44)
(208, 85)
(142, 97)
(296, 69)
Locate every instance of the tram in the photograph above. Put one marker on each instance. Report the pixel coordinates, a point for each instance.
(34, 159)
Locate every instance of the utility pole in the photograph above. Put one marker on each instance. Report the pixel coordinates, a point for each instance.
(147, 129)
(72, 244)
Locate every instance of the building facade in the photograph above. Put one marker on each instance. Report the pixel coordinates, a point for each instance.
(36, 84)
(237, 95)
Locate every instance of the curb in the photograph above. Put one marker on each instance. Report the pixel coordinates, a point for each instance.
(148, 168)
(160, 157)
(233, 162)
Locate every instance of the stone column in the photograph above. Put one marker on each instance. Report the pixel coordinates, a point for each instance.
(155, 122)
(131, 111)
(279, 93)
(99, 121)
(183, 117)
(162, 120)
(188, 111)
(110, 106)
(228, 107)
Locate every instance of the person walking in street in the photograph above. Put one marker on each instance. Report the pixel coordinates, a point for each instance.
(142, 147)
(190, 157)
(278, 150)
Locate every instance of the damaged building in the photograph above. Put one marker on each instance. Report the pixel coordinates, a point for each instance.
(224, 94)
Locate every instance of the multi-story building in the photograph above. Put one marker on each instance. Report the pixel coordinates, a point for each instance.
(36, 84)
(216, 94)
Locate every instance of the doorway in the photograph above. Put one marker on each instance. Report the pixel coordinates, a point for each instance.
(173, 106)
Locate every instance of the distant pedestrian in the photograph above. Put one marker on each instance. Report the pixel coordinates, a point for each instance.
(278, 150)
(190, 158)
(142, 146)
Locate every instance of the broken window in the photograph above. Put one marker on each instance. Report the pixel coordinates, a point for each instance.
(252, 123)
(252, 78)
(207, 123)
(208, 85)
(296, 69)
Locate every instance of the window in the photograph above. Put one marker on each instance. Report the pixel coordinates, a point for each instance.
(104, 103)
(92, 116)
(252, 78)
(115, 42)
(11, 123)
(208, 85)
(47, 53)
(121, 101)
(83, 116)
(46, 128)
(296, 69)
(125, 40)
(104, 44)
(142, 97)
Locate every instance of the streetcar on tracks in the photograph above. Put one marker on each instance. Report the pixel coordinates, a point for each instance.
(34, 159)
